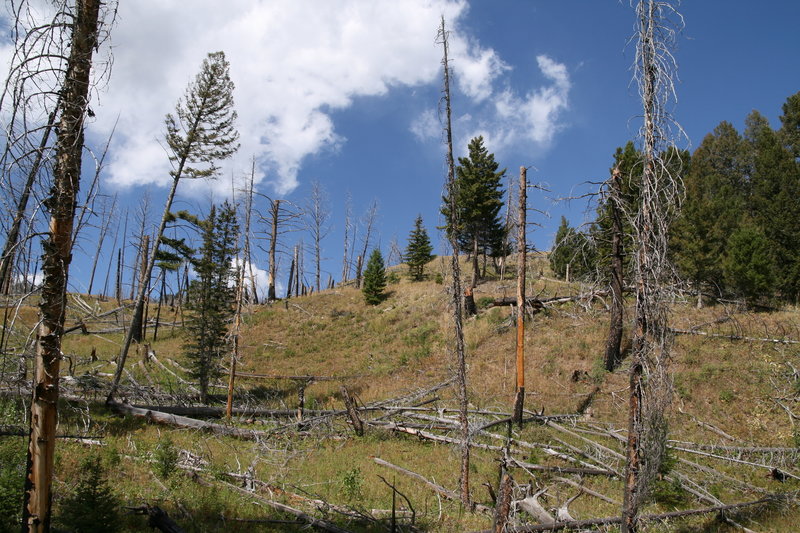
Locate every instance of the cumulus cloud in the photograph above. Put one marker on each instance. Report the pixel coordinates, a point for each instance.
(529, 121)
(293, 63)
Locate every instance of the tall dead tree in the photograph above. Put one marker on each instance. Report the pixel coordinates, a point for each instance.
(282, 217)
(105, 223)
(317, 215)
(522, 254)
(348, 228)
(461, 364)
(57, 251)
(615, 329)
(201, 133)
(368, 221)
(650, 387)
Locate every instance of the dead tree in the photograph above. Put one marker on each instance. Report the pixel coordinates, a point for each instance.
(649, 378)
(368, 221)
(105, 224)
(317, 215)
(614, 340)
(348, 228)
(461, 366)
(522, 253)
(202, 132)
(81, 24)
(282, 217)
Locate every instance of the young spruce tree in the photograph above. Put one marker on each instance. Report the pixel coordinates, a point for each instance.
(418, 251)
(211, 295)
(374, 279)
(479, 197)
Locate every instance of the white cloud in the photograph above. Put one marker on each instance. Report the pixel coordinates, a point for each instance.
(426, 126)
(529, 122)
(292, 63)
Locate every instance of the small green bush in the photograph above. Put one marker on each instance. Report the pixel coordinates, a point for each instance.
(352, 483)
(166, 457)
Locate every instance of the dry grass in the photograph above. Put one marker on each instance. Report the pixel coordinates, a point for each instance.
(401, 345)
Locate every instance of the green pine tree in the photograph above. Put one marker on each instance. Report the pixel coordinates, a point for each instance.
(479, 198)
(775, 202)
(211, 295)
(715, 201)
(92, 506)
(628, 161)
(748, 266)
(374, 279)
(573, 250)
(418, 251)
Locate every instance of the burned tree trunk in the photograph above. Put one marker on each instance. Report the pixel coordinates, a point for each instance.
(461, 366)
(519, 400)
(614, 341)
(55, 265)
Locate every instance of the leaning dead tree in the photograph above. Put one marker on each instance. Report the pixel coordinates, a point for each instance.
(461, 366)
(78, 25)
(201, 133)
(650, 386)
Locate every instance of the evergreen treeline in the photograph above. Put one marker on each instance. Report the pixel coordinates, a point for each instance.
(738, 232)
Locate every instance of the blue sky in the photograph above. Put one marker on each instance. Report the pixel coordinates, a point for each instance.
(345, 92)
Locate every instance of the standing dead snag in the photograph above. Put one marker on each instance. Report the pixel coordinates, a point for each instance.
(659, 189)
(521, 272)
(614, 340)
(461, 365)
(55, 265)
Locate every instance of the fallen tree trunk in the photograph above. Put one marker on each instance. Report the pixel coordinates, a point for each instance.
(450, 495)
(318, 523)
(574, 524)
(184, 422)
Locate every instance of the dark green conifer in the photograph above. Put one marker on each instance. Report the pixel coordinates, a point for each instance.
(418, 251)
(211, 295)
(374, 279)
(479, 197)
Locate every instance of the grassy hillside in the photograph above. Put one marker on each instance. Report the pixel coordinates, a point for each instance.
(729, 394)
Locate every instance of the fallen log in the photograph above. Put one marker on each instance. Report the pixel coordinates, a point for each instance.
(642, 518)
(450, 495)
(313, 521)
(184, 422)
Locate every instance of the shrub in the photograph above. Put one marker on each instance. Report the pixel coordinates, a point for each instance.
(12, 477)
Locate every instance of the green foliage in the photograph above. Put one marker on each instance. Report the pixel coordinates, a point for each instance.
(12, 477)
(202, 129)
(748, 266)
(628, 162)
(211, 295)
(479, 197)
(572, 250)
(92, 505)
(418, 251)
(166, 457)
(374, 279)
(352, 483)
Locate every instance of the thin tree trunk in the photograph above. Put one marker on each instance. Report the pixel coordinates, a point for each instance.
(7, 257)
(275, 210)
(614, 341)
(521, 275)
(160, 302)
(144, 280)
(55, 266)
(461, 366)
(103, 233)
